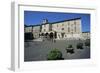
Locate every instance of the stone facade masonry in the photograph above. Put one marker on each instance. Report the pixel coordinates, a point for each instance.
(66, 29)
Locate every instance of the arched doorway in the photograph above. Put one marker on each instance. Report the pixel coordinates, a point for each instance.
(42, 34)
(51, 35)
(46, 35)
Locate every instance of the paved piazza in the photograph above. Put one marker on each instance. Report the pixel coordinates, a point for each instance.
(38, 50)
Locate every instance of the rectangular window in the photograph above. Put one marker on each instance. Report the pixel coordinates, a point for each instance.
(74, 22)
(44, 29)
(68, 29)
(62, 24)
(44, 25)
(75, 28)
(57, 25)
(68, 24)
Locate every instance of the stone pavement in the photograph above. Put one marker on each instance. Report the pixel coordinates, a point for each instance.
(38, 50)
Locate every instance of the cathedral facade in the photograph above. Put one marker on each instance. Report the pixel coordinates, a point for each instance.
(65, 29)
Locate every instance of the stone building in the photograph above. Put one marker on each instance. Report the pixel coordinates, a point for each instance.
(65, 29)
(86, 35)
(35, 30)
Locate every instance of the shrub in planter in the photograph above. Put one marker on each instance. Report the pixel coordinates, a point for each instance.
(87, 42)
(70, 49)
(70, 46)
(80, 46)
(54, 54)
(28, 36)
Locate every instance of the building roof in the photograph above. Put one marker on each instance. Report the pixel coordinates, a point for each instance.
(31, 25)
(62, 21)
(65, 20)
(86, 32)
(53, 22)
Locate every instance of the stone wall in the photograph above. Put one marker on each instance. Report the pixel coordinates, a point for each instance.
(65, 30)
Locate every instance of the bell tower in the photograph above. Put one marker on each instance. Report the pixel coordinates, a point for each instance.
(45, 21)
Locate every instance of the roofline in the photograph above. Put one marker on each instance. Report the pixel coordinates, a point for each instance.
(66, 20)
(86, 32)
(54, 22)
(31, 25)
(62, 21)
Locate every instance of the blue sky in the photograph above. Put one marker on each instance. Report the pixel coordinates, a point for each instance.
(36, 17)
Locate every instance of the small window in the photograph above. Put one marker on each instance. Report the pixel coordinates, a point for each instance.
(74, 22)
(44, 29)
(62, 28)
(44, 25)
(57, 25)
